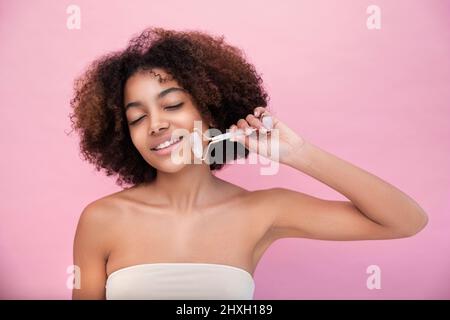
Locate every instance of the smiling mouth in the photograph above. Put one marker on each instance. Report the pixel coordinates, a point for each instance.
(166, 144)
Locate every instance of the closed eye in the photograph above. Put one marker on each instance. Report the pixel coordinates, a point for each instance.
(174, 107)
(135, 121)
(169, 108)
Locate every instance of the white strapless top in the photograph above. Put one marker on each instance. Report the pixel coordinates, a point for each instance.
(180, 281)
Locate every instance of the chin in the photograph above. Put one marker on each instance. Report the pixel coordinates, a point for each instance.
(166, 165)
(173, 168)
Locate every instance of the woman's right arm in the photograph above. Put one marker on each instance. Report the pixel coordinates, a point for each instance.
(90, 253)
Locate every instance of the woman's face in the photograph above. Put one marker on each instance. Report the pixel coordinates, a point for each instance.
(154, 110)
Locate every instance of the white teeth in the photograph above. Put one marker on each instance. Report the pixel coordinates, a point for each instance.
(167, 143)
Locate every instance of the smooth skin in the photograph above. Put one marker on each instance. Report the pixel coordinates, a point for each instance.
(189, 215)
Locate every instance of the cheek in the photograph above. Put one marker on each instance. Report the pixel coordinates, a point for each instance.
(138, 139)
(188, 119)
(190, 115)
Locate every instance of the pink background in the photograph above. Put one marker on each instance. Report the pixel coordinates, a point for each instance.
(377, 98)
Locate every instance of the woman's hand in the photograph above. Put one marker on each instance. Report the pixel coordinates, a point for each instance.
(277, 143)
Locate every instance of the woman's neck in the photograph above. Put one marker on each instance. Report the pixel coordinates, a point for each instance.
(187, 189)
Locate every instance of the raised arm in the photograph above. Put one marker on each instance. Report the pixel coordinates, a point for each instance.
(375, 210)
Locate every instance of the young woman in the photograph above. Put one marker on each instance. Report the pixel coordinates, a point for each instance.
(178, 231)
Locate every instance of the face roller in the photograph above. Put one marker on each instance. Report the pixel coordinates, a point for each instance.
(196, 137)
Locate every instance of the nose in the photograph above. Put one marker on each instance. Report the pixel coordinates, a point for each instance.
(157, 125)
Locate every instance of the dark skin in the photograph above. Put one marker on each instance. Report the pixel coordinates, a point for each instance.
(189, 215)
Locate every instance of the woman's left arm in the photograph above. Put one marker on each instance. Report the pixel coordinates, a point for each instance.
(377, 209)
(378, 200)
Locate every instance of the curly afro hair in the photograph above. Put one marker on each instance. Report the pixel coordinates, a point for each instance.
(223, 85)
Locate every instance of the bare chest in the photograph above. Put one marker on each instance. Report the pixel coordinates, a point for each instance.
(232, 236)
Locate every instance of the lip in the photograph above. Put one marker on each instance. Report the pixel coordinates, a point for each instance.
(166, 150)
(160, 140)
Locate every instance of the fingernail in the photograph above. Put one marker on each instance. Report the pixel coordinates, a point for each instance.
(248, 131)
(263, 130)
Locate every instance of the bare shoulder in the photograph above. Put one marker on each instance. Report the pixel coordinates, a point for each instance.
(261, 204)
(112, 204)
(263, 199)
(94, 223)
(97, 220)
(97, 211)
(100, 210)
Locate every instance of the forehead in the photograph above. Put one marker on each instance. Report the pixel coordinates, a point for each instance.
(148, 83)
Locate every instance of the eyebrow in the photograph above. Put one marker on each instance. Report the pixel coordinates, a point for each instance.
(159, 96)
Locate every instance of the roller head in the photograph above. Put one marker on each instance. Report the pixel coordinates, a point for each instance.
(267, 122)
(196, 144)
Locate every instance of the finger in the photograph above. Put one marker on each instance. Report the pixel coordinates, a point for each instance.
(258, 111)
(242, 124)
(256, 123)
(233, 128)
(265, 117)
(244, 139)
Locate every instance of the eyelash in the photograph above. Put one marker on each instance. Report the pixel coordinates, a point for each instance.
(169, 107)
